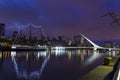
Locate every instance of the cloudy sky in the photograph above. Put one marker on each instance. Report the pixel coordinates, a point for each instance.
(63, 17)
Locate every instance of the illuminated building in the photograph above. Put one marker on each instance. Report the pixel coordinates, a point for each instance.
(15, 35)
(79, 41)
(108, 44)
(2, 30)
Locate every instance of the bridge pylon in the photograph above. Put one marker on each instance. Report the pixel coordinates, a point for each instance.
(91, 42)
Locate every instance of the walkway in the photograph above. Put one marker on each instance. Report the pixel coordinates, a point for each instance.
(100, 72)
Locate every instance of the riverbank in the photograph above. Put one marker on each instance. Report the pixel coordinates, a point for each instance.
(101, 71)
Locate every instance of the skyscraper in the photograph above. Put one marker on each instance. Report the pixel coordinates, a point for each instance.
(2, 30)
(79, 41)
(108, 44)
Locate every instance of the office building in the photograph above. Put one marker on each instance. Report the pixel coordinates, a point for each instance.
(79, 41)
(2, 30)
(108, 44)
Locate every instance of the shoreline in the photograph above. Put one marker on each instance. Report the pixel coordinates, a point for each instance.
(101, 71)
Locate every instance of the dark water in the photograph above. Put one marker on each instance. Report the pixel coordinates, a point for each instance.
(48, 65)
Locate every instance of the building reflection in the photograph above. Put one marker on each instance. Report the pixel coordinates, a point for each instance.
(3, 55)
(111, 53)
(1, 61)
(69, 55)
(73, 55)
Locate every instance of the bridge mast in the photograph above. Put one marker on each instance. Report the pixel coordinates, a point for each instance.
(94, 45)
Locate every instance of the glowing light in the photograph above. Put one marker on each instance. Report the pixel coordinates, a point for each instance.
(27, 57)
(13, 47)
(58, 48)
(13, 54)
(59, 52)
(69, 55)
(43, 53)
(0, 56)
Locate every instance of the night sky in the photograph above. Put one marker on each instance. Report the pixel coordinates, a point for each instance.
(63, 17)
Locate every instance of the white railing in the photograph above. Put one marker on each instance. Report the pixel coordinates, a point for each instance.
(117, 73)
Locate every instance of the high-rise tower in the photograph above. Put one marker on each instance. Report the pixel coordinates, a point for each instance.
(2, 30)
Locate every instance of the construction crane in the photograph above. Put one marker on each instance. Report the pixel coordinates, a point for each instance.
(42, 34)
(114, 17)
(41, 31)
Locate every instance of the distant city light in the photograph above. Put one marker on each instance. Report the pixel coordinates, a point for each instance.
(13, 54)
(58, 48)
(0, 56)
(43, 53)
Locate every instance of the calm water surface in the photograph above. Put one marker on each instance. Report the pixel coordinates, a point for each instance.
(48, 65)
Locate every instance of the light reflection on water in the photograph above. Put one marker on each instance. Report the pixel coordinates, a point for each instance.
(48, 65)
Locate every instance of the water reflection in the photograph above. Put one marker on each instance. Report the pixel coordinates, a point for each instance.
(48, 65)
(112, 53)
(92, 58)
(27, 74)
(1, 61)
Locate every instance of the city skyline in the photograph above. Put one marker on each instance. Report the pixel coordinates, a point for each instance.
(63, 17)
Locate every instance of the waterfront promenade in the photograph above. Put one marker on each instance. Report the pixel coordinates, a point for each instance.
(100, 72)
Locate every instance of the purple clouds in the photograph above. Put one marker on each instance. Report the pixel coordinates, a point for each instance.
(62, 17)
